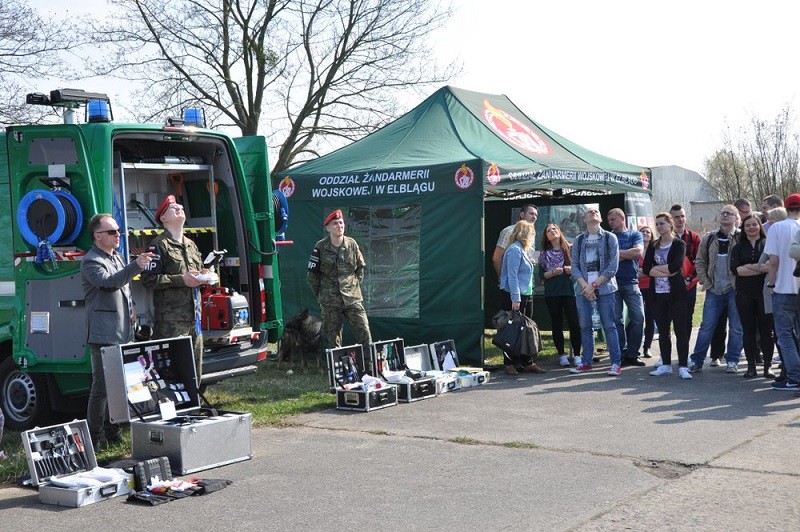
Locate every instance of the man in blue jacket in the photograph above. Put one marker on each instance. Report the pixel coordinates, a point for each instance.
(595, 259)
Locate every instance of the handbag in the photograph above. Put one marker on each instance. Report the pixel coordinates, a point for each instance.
(530, 340)
(508, 337)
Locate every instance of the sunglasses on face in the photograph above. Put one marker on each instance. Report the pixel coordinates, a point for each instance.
(109, 231)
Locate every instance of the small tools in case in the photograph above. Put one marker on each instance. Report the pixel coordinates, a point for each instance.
(445, 358)
(63, 465)
(153, 386)
(388, 359)
(418, 358)
(355, 390)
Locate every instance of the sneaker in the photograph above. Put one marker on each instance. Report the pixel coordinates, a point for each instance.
(732, 367)
(661, 370)
(575, 361)
(633, 362)
(658, 363)
(563, 361)
(581, 368)
(615, 370)
(715, 363)
(787, 386)
(647, 353)
(695, 368)
(683, 373)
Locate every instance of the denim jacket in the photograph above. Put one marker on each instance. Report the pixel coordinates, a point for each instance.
(608, 248)
(517, 271)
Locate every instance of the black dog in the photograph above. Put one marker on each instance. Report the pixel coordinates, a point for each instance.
(303, 335)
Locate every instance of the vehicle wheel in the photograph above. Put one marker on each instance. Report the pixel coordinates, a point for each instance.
(23, 396)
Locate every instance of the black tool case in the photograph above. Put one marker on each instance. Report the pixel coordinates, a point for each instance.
(141, 375)
(346, 366)
(63, 450)
(389, 356)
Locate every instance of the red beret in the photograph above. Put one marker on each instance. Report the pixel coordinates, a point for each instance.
(335, 215)
(169, 200)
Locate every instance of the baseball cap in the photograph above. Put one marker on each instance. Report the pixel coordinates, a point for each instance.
(792, 201)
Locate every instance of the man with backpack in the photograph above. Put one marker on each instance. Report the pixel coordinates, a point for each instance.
(714, 273)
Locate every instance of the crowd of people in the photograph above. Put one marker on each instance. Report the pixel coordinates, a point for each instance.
(747, 267)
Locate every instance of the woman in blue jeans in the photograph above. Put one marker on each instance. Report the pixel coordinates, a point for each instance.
(595, 258)
(516, 280)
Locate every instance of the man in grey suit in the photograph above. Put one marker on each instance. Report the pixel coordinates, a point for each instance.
(111, 315)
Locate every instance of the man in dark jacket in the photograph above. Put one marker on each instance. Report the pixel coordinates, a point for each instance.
(110, 314)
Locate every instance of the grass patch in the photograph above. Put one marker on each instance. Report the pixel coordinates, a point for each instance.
(697, 315)
(463, 440)
(511, 444)
(493, 356)
(520, 445)
(272, 395)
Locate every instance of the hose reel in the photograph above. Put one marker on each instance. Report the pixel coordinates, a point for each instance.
(47, 218)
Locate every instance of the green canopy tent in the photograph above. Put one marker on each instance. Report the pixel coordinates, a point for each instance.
(413, 195)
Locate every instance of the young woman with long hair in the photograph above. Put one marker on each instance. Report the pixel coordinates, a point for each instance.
(750, 277)
(663, 262)
(559, 292)
(647, 295)
(516, 279)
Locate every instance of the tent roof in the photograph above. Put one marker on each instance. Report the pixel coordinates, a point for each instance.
(455, 126)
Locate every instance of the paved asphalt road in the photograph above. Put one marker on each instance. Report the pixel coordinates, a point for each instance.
(533, 452)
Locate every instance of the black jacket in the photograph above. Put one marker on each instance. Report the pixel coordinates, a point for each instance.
(677, 252)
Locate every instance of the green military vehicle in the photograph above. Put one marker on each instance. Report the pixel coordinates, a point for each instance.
(56, 177)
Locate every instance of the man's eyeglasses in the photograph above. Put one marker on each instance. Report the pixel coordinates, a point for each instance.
(727, 213)
(111, 232)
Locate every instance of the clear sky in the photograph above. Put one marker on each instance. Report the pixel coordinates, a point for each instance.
(650, 83)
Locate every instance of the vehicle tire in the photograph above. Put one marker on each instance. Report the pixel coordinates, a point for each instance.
(23, 397)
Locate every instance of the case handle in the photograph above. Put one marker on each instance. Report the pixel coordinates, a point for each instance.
(108, 491)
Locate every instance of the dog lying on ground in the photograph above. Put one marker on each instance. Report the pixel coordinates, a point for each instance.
(301, 335)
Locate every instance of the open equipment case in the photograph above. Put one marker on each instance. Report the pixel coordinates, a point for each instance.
(388, 359)
(345, 367)
(153, 386)
(61, 451)
(445, 358)
(417, 358)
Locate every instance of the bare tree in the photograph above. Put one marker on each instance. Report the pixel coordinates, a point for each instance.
(762, 160)
(29, 49)
(312, 71)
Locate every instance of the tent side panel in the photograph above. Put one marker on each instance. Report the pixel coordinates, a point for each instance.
(424, 255)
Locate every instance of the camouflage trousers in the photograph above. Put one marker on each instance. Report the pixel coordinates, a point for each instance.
(172, 329)
(356, 316)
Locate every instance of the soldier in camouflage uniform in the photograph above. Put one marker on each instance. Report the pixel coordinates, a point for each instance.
(335, 272)
(176, 303)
